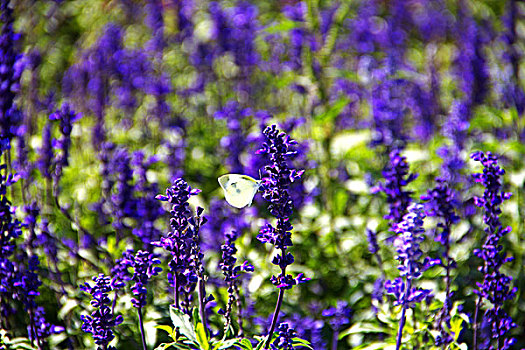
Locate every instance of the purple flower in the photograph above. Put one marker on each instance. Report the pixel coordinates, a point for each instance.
(148, 209)
(396, 176)
(143, 270)
(279, 148)
(284, 341)
(338, 316)
(67, 117)
(235, 142)
(496, 286)
(441, 203)
(46, 154)
(11, 68)
(470, 64)
(175, 241)
(123, 202)
(11, 229)
(101, 321)
(410, 234)
(231, 271)
(389, 111)
(42, 328)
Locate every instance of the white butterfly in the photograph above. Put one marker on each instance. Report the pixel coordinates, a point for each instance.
(239, 190)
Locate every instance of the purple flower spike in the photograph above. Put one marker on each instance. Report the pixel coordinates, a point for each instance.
(397, 176)
(410, 234)
(496, 286)
(176, 241)
(279, 148)
(101, 321)
(143, 269)
(284, 338)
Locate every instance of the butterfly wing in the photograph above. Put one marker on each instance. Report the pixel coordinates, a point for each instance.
(239, 190)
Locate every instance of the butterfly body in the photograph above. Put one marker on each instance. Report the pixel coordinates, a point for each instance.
(239, 190)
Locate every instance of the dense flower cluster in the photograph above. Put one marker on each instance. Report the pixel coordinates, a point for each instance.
(11, 229)
(143, 269)
(101, 321)
(231, 271)
(176, 240)
(496, 286)
(441, 202)
(338, 316)
(10, 71)
(279, 176)
(66, 116)
(147, 208)
(396, 176)
(412, 264)
(285, 334)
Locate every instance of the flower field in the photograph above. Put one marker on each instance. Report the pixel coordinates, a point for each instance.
(213, 175)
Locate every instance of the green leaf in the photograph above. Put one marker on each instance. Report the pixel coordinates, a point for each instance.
(246, 344)
(225, 344)
(202, 337)
(196, 317)
(296, 342)
(360, 328)
(333, 111)
(183, 323)
(167, 329)
(261, 344)
(165, 346)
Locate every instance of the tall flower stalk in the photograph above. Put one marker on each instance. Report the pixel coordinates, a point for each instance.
(496, 286)
(143, 269)
(410, 234)
(279, 176)
(441, 203)
(101, 321)
(176, 240)
(231, 271)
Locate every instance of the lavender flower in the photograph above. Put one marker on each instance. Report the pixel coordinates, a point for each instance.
(176, 240)
(67, 116)
(101, 321)
(43, 328)
(470, 64)
(442, 203)
(11, 229)
(10, 71)
(410, 234)
(143, 270)
(279, 176)
(496, 286)
(147, 208)
(338, 317)
(284, 338)
(389, 112)
(231, 272)
(456, 130)
(46, 154)
(235, 142)
(396, 176)
(123, 203)
(279, 148)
